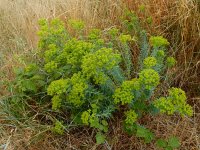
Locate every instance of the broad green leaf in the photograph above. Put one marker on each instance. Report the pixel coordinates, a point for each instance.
(150, 136)
(130, 129)
(173, 142)
(100, 127)
(145, 133)
(168, 148)
(104, 122)
(141, 131)
(29, 85)
(161, 143)
(100, 138)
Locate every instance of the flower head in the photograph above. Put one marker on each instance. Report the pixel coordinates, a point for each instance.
(149, 78)
(150, 62)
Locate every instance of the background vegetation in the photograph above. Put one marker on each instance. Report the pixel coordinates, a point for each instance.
(176, 20)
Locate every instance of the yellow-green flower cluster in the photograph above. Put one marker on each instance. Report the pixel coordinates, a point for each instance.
(94, 34)
(56, 102)
(136, 84)
(58, 128)
(165, 105)
(150, 62)
(50, 66)
(149, 20)
(31, 67)
(158, 41)
(51, 33)
(124, 38)
(149, 78)
(113, 32)
(74, 88)
(142, 7)
(42, 22)
(175, 102)
(57, 27)
(123, 96)
(90, 118)
(74, 51)
(131, 117)
(58, 87)
(160, 53)
(43, 29)
(51, 53)
(124, 93)
(171, 61)
(99, 42)
(77, 24)
(177, 94)
(94, 64)
(85, 117)
(77, 92)
(179, 100)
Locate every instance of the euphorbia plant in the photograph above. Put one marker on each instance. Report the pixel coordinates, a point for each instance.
(89, 78)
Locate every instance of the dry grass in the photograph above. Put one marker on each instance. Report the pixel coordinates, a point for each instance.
(179, 20)
(22, 16)
(183, 30)
(186, 129)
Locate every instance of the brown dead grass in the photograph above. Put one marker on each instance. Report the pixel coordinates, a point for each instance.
(186, 129)
(177, 20)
